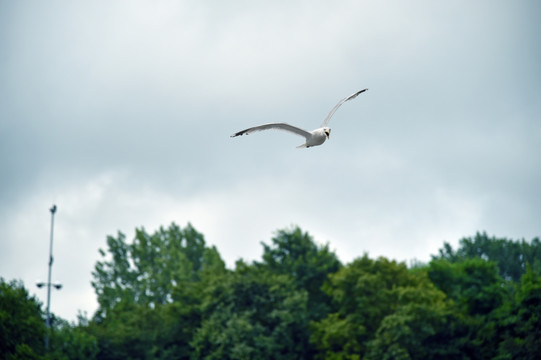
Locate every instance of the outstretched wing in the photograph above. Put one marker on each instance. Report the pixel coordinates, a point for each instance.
(278, 126)
(352, 96)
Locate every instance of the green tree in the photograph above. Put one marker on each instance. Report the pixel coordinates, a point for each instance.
(371, 296)
(295, 253)
(22, 329)
(134, 331)
(511, 256)
(148, 270)
(473, 283)
(520, 322)
(72, 342)
(149, 293)
(423, 326)
(252, 314)
(478, 293)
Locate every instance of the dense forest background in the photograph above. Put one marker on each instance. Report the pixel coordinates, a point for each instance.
(168, 295)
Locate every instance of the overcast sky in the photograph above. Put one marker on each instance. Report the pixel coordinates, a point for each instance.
(120, 112)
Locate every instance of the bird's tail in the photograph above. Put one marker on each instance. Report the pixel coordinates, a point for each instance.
(302, 146)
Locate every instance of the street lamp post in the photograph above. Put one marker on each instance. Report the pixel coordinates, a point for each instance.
(48, 283)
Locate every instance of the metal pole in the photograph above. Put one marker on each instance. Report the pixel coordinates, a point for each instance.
(48, 322)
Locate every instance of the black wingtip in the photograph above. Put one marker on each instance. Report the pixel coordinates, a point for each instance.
(243, 132)
(355, 95)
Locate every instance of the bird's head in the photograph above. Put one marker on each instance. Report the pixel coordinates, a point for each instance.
(327, 132)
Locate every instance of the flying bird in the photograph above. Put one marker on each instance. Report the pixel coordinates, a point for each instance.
(313, 138)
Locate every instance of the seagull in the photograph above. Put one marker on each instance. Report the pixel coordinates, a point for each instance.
(313, 138)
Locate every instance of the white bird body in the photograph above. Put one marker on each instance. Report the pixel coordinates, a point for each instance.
(313, 138)
(317, 137)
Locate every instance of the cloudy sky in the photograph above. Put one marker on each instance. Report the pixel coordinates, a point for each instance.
(120, 113)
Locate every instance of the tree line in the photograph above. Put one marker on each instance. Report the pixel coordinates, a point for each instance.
(168, 295)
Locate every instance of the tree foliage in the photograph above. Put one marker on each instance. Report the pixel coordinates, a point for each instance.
(147, 271)
(149, 293)
(510, 256)
(252, 314)
(294, 253)
(520, 320)
(384, 310)
(72, 342)
(22, 330)
(474, 284)
(168, 295)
